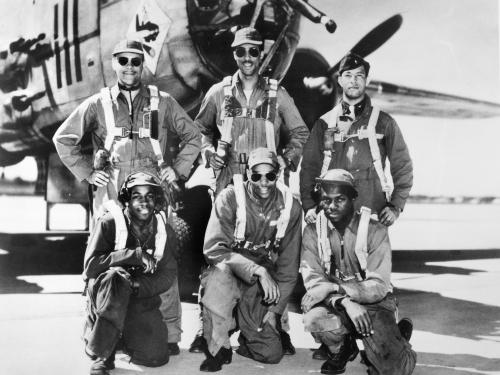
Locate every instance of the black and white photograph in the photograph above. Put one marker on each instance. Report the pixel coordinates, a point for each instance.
(249, 186)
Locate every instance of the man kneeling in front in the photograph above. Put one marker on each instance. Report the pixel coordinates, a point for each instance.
(252, 245)
(346, 267)
(129, 262)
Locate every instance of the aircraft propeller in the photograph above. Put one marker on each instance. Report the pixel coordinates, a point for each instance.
(369, 43)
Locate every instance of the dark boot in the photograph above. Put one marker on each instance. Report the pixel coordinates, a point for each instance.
(99, 367)
(211, 364)
(321, 353)
(336, 362)
(173, 348)
(286, 343)
(198, 345)
(406, 328)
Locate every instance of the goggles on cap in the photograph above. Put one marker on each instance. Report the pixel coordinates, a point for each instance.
(242, 51)
(134, 61)
(270, 176)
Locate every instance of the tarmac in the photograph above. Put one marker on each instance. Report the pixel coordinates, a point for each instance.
(450, 292)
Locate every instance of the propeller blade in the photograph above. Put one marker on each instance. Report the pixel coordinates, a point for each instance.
(374, 39)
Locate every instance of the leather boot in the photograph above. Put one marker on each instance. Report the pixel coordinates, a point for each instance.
(198, 345)
(321, 353)
(214, 363)
(336, 362)
(286, 343)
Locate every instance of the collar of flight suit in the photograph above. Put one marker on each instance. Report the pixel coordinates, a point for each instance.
(143, 91)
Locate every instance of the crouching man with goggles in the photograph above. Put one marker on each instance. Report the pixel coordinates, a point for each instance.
(128, 263)
(252, 245)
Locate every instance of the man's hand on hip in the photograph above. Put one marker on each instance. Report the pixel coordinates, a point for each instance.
(98, 178)
(311, 215)
(388, 215)
(168, 174)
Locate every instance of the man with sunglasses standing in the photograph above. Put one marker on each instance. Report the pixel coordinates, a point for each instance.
(252, 245)
(131, 127)
(360, 138)
(243, 112)
(248, 111)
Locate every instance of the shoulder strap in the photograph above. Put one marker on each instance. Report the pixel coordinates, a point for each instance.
(151, 131)
(331, 117)
(227, 121)
(324, 248)
(284, 218)
(111, 130)
(241, 211)
(121, 231)
(161, 235)
(375, 151)
(361, 245)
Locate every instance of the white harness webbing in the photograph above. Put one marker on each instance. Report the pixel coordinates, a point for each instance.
(360, 247)
(241, 214)
(121, 232)
(375, 151)
(113, 131)
(227, 121)
(370, 133)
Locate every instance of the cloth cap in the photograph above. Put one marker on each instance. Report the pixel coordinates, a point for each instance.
(140, 179)
(262, 156)
(127, 45)
(247, 35)
(336, 177)
(353, 61)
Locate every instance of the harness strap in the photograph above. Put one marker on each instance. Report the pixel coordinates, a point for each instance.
(161, 235)
(241, 211)
(227, 121)
(111, 130)
(121, 231)
(324, 248)
(361, 245)
(375, 151)
(152, 131)
(285, 212)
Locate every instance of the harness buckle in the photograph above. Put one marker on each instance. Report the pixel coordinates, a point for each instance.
(144, 133)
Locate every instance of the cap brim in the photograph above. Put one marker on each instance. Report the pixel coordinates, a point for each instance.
(246, 41)
(130, 50)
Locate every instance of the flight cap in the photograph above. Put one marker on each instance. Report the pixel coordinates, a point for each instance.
(247, 35)
(337, 181)
(353, 61)
(262, 155)
(127, 45)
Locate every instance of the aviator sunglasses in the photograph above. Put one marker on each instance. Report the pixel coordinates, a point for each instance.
(241, 52)
(256, 177)
(135, 61)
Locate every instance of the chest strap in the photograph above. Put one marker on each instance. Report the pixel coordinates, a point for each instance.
(241, 215)
(369, 133)
(361, 246)
(149, 128)
(121, 230)
(231, 108)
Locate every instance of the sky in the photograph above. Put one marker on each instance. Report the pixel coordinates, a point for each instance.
(448, 46)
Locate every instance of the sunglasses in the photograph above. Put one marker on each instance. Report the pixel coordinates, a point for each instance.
(256, 177)
(241, 51)
(135, 61)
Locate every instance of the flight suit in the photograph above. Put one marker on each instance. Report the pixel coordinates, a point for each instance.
(387, 351)
(354, 155)
(248, 129)
(129, 154)
(114, 307)
(230, 283)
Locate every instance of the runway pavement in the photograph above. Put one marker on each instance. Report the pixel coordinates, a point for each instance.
(451, 294)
